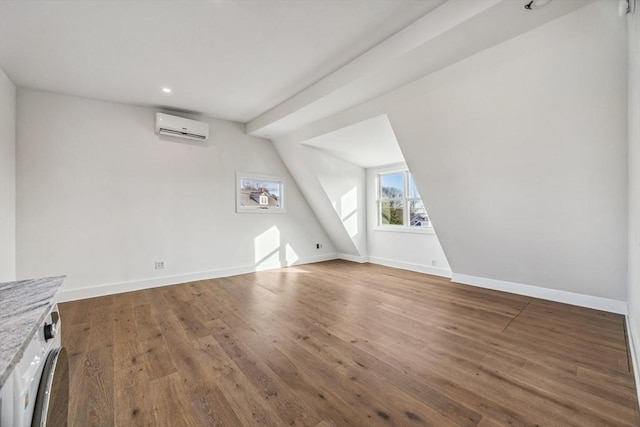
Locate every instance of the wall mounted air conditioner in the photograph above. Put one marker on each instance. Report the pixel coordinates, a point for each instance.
(181, 128)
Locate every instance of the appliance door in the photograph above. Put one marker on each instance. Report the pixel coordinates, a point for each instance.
(52, 401)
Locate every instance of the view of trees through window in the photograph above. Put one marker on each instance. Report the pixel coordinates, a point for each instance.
(399, 202)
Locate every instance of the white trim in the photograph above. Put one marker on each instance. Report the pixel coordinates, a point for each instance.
(156, 282)
(393, 167)
(634, 352)
(353, 258)
(419, 268)
(288, 263)
(261, 209)
(404, 229)
(400, 168)
(580, 300)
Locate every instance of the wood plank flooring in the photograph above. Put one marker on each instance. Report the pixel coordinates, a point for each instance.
(343, 344)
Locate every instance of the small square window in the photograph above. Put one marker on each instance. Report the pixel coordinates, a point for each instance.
(259, 193)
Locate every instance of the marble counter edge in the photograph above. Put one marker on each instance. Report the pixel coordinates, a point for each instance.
(55, 283)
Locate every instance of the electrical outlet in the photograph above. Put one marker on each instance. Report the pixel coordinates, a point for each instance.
(318, 245)
(433, 262)
(159, 265)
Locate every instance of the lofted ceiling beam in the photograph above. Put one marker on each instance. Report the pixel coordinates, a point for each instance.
(448, 34)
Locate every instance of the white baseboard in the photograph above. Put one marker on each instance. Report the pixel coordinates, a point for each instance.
(289, 263)
(634, 351)
(419, 268)
(353, 258)
(156, 282)
(581, 300)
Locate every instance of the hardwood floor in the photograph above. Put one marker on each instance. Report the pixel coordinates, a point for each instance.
(338, 343)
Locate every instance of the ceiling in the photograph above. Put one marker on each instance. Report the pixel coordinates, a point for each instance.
(452, 32)
(369, 143)
(275, 65)
(229, 59)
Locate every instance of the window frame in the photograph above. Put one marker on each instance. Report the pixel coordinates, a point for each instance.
(240, 208)
(405, 227)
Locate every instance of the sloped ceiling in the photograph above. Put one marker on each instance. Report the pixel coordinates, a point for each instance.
(366, 144)
(520, 154)
(450, 33)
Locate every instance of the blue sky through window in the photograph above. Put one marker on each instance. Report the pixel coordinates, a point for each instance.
(413, 190)
(393, 180)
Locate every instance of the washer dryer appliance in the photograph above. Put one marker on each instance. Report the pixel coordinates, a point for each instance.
(41, 380)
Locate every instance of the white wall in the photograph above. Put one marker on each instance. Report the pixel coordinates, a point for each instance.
(415, 251)
(522, 154)
(343, 196)
(101, 197)
(336, 191)
(7, 179)
(634, 187)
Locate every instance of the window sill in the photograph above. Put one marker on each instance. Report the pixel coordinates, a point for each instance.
(404, 229)
(260, 211)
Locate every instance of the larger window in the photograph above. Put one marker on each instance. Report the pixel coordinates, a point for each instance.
(399, 203)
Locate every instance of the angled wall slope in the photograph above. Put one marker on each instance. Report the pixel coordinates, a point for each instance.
(335, 190)
(520, 152)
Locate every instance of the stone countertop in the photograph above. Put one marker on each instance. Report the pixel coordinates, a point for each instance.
(23, 307)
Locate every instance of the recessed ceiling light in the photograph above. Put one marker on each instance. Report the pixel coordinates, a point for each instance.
(166, 90)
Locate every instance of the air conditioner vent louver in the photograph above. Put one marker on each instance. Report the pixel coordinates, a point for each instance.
(180, 127)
